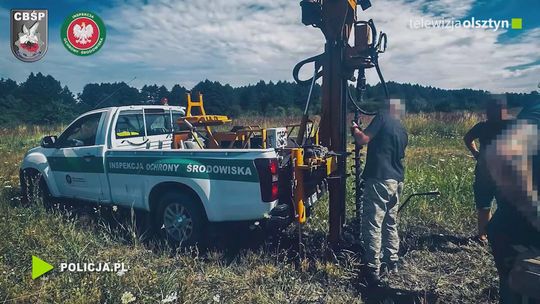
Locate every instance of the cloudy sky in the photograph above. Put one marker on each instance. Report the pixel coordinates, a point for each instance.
(243, 41)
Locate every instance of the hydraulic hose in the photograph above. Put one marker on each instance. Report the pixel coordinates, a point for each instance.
(357, 107)
(305, 117)
(378, 69)
(317, 60)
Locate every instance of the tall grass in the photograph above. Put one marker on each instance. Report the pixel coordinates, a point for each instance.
(258, 270)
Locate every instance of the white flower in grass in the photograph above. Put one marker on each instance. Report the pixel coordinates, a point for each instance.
(217, 298)
(128, 297)
(170, 298)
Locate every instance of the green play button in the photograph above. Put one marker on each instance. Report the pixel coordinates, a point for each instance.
(39, 267)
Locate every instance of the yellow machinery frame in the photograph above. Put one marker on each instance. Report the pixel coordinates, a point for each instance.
(244, 134)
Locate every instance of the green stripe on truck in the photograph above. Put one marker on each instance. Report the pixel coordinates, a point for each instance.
(76, 164)
(215, 169)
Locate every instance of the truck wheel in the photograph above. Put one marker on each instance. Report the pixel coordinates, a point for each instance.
(180, 219)
(34, 189)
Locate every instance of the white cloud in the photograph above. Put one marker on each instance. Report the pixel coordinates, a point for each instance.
(448, 8)
(244, 41)
(233, 41)
(458, 58)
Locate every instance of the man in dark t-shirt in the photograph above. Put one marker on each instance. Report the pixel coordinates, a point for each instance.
(384, 175)
(483, 187)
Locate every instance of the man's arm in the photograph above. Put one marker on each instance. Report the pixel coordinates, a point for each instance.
(364, 137)
(469, 138)
(360, 137)
(509, 159)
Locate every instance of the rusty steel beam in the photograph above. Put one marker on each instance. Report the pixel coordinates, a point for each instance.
(337, 21)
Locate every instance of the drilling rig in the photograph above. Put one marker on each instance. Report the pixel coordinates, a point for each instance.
(337, 65)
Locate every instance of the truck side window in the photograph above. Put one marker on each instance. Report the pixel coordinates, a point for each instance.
(158, 123)
(81, 133)
(129, 124)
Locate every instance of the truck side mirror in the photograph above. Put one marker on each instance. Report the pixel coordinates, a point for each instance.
(49, 141)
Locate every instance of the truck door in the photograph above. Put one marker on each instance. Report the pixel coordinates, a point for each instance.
(77, 163)
(128, 136)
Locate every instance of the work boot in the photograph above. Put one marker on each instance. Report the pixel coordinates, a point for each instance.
(389, 268)
(371, 276)
(481, 240)
(392, 267)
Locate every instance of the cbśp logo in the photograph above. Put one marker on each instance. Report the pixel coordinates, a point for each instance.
(29, 34)
(83, 33)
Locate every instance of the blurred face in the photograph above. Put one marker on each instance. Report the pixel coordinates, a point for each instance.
(396, 107)
(496, 112)
(88, 130)
(496, 107)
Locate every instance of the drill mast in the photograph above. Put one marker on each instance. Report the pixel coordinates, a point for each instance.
(337, 20)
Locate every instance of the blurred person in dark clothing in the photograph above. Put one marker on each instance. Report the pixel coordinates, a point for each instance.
(484, 187)
(513, 162)
(387, 139)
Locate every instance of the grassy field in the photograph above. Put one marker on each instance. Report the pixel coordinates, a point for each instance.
(439, 264)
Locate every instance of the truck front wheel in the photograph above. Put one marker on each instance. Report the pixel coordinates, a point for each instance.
(34, 189)
(180, 219)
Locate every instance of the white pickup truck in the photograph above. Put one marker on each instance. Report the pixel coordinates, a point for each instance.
(124, 156)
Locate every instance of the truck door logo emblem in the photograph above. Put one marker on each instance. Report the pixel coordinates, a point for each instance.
(83, 33)
(29, 34)
(68, 179)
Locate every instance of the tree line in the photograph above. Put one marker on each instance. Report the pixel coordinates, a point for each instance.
(41, 99)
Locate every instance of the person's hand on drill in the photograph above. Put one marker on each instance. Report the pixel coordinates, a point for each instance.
(354, 127)
(360, 137)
